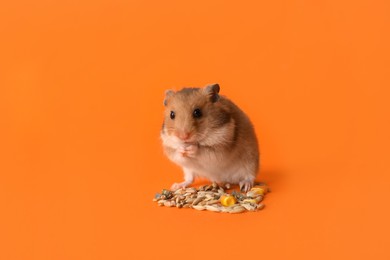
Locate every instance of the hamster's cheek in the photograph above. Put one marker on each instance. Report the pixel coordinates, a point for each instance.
(171, 141)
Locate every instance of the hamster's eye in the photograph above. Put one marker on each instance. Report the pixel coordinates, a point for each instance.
(197, 113)
(172, 115)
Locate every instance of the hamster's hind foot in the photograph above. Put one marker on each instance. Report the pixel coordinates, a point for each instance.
(246, 185)
(180, 185)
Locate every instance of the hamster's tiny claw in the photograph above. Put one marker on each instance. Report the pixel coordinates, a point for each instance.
(181, 150)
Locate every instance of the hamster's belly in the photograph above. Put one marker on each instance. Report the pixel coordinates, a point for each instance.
(218, 167)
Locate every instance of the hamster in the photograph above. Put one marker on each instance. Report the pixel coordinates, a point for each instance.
(209, 136)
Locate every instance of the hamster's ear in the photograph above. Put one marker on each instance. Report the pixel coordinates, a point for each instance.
(168, 93)
(212, 91)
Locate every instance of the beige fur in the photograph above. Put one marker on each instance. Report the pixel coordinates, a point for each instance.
(222, 146)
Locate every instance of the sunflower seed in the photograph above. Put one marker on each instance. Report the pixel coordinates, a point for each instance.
(259, 198)
(211, 202)
(161, 202)
(197, 200)
(252, 194)
(189, 200)
(253, 201)
(208, 187)
(190, 190)
(167, 204)
(237, 209)
(179, 191)
(202, 203)
(212, 208)
(198, 207)
(249, 207)
(202, 187)
(260, 206)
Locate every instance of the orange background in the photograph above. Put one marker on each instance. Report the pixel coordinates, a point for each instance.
(82, 86)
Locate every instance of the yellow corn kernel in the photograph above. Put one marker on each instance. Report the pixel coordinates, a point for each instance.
(228, 200)
(258, 190)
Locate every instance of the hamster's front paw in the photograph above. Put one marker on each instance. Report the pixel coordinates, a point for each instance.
(188, 150)
(191, 150)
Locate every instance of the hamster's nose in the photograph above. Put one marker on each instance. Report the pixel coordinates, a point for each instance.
(183, 135)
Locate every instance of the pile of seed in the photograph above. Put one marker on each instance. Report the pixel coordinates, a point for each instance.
(209, 197)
